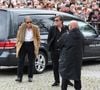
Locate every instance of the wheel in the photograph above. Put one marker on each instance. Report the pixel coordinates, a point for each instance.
(40, 63)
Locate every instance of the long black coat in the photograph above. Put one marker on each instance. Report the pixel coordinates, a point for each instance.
(71, 55)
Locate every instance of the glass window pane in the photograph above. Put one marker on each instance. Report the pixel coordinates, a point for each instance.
(43, 21)
(3, 25)
(87, 30)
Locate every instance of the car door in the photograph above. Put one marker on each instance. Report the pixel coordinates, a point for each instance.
(7, 42)
(92, 41)
(44, 22)
(3, 35)
(3, 30)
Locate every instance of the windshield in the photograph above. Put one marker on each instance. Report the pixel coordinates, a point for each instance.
(3, 25)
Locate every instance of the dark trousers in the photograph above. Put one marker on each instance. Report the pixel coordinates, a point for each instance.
(27, 48)
(55, 63)
(77, 84)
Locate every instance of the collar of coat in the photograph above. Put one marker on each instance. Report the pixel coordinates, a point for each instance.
(22, 30)
(74, 30)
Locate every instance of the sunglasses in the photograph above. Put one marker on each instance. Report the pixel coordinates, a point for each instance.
(56, 20)
(29, 22)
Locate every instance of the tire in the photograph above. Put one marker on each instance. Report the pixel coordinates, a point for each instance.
(40, 63)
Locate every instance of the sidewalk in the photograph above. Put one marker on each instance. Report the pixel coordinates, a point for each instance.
(90, 81)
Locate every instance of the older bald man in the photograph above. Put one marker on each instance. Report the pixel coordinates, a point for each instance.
(70, 62)
(28, 42)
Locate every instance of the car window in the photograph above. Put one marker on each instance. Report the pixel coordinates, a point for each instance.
(86, 29)
(43, 21)
(68, 18)
(3, 25)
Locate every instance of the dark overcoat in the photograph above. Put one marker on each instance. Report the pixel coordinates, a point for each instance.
(71, 55)
(51, 36)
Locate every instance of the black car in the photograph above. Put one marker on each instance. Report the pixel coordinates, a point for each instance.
(10, 19)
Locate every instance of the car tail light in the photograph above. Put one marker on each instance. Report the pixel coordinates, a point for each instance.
(7, 44)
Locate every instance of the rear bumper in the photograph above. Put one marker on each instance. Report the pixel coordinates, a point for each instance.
(8, 59)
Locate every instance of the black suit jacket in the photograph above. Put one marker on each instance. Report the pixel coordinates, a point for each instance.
(52, 35)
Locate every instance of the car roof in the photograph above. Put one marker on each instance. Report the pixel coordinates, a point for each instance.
(22, 11)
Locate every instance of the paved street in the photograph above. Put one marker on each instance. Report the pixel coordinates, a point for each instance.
(90, 79)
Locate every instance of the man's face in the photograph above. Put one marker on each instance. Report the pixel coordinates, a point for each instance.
(28, 23)
(57, 21)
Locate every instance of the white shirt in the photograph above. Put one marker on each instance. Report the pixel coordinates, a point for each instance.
(28, 35)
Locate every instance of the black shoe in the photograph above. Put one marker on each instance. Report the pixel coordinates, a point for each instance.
(18, 80)
(30, 80)
(71, 84)
(55, 84)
